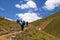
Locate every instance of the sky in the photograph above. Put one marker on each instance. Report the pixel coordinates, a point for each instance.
(28, 10)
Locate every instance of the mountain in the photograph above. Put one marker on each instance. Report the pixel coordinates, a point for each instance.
(10, 30)
(53, 27)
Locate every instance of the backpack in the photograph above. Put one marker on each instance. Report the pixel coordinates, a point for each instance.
(21, 23)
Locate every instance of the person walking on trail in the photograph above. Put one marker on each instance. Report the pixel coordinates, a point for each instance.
(23, 22)
(18, 21)
(27, 24)
(22, 25)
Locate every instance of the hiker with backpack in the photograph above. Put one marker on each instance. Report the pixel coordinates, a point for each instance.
(17, 21)
(23, 22)
(26, 24)
(22, 25)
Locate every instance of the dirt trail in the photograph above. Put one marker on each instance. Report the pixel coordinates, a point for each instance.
(4, 37)
(43, 25)
(10, 35)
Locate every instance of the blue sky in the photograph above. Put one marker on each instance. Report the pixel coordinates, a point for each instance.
(28, 10)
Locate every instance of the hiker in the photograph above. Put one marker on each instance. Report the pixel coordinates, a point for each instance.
(22, 25)
(23, 22)
(27, 24)
(18, 21)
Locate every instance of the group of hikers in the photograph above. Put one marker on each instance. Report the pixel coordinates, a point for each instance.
(22, 24)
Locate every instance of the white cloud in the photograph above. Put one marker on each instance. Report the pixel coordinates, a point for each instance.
(30, 17)
(29, 4)
(8, 19)
(51, 4)
(17, 5)
(24, 6)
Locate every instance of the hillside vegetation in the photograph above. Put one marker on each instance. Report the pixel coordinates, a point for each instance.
(9, 29)
(33, 34)
(7, 26)
(53, 27)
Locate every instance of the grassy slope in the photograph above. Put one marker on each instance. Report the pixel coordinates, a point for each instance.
(7, 26)
(32, 34)
(52, 28)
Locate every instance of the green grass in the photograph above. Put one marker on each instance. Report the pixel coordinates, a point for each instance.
(9, 26)
(39, 22)
(52, 28)
(32, 34)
